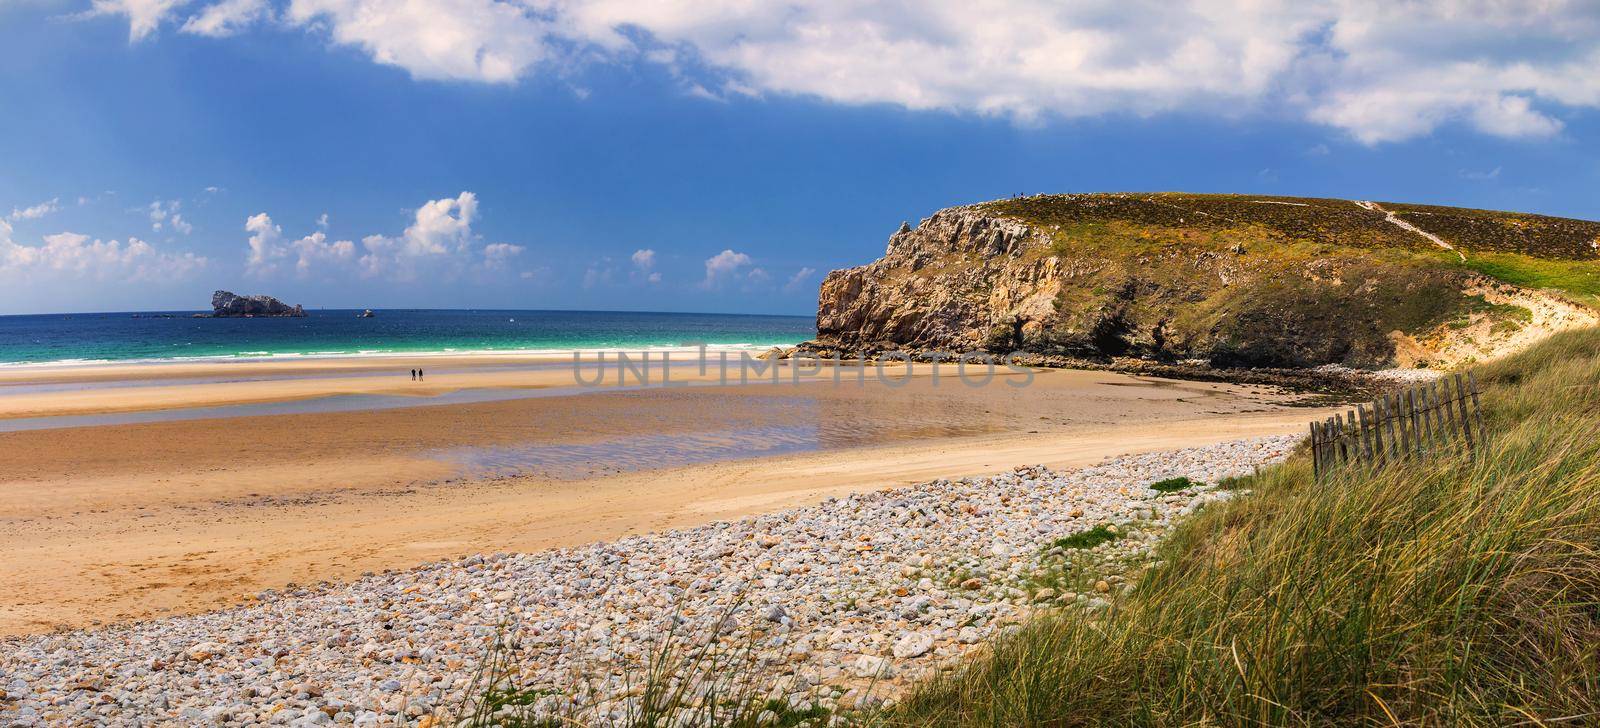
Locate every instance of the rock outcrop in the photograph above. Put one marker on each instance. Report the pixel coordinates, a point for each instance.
(1237, 281)
(226, 304)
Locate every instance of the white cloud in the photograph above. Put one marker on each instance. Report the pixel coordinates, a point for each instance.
(144, 16)
(723, 266)
(1380, 71)
(312, 254)
(163, 214)
(477, 40)
(1488, 176)
(798, 280)
(497, 256)
(266, 245)
(226, 18)
(35, 212)
(69, 255)
(440, 234)
(644, 263)
(439, 243)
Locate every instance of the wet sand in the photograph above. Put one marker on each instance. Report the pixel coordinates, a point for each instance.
(130, 521)
(35, 392)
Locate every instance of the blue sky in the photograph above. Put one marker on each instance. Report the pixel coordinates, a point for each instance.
(564, 154)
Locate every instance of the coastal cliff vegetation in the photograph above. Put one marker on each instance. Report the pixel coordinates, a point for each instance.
(1233, 280)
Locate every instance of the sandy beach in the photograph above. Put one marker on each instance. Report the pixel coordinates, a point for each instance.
(129, 521)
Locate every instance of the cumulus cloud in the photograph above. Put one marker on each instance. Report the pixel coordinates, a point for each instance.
(644, 263)
(478, 40)
(165, 214)
(1381, 71)
(70, 255)
(438, 243)
(439, 236)
(496, 256)
(35, 212)
(268, 250)
(724, 266)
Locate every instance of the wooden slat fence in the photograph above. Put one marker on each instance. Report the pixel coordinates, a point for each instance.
(1413, 423)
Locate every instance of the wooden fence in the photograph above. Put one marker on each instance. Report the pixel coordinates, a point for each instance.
(1412, 423)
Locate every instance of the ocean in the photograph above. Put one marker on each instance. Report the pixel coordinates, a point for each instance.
(159, 336)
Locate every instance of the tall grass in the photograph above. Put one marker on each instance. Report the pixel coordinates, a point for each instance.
(1449, 591)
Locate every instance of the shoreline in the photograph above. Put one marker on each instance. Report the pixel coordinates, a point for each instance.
(42, 393)
(46, 367)
(190, 514)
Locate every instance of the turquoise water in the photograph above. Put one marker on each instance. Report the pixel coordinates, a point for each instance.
(174, 336)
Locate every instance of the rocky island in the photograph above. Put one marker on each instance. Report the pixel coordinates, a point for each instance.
(226, 304)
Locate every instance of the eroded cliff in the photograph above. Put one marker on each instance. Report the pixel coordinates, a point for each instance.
(1234, 280)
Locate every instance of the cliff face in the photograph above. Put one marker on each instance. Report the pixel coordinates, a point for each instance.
(1234, 280)
(227, 304)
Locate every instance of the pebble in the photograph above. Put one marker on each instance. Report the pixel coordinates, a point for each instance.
(874, 588)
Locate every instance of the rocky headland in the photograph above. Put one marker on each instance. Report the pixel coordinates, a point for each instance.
(226, 304)
(1176, 283)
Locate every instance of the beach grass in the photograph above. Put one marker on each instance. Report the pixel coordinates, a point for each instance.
(1454, 590)
(1173, 485)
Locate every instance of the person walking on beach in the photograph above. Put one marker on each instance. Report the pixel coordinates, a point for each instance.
(419, 375)
(413, 375)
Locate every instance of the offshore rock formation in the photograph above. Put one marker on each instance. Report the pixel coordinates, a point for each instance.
(1236, 281)
(226, 304)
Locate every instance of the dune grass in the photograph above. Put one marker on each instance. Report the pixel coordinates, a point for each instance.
(1173, 485)
(1450, 591)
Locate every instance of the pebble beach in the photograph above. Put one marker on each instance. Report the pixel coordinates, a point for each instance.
(832, 605)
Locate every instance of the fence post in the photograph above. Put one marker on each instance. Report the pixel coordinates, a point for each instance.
(1344, 439)
(1427, 414)
(1394, 426)
(1466, 420)
(1415, 416)
(1351, 431)
(1366, 436)
(1316, 454)
(1404, 415)
(1477, 410)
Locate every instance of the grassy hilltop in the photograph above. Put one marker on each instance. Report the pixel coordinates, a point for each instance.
(1238, 280)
